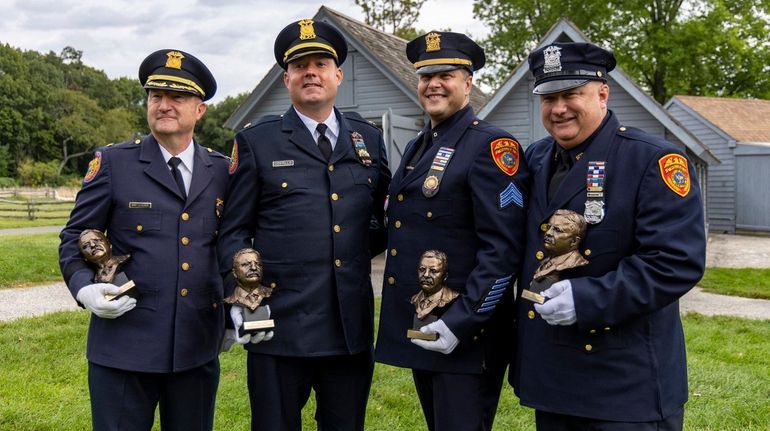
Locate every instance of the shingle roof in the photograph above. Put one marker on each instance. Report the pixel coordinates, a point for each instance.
(391, 51)
(745, 120)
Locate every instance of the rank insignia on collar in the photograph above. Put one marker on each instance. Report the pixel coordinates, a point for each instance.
(675, 173)
(505, 152)
(234, 158)
(219, 207)
(93, 167)
(360, 149)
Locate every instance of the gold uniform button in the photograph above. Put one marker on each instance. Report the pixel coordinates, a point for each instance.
(337, 228)
(607, 329)
(531, 315)
(400, 197)
(544, 227)
(369, 179)
(587, 252)
(284, 185)
(391, 281)
(622, 129)
(398, 224)
(393, 252)
(481, 331)
(475, 338)
(183, 292)
(139, 228)
(331, 168)
(539, 255)
(589, 347)
(185, 266)
(429, 214)
(272, 285)
(335, 196)
(337, 263)
(593, 331)
(185, 240)
(185, 216)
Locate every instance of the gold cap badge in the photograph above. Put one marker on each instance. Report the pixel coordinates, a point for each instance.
(174, 60)
(306, 30)
(432, 42)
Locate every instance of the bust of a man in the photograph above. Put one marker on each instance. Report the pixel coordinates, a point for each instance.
(97, 250)
(434, 293)
(247, 269)
(566, 229)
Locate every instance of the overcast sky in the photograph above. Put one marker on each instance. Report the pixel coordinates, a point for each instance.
(233, 37)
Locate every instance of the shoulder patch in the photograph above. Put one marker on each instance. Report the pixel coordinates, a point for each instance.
(505, 153)
(234, 158)
(675, 173)
(93, 167)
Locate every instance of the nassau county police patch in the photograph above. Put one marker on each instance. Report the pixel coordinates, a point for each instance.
(234, 158)
(676, 175)
(505, 152)
(93, 167)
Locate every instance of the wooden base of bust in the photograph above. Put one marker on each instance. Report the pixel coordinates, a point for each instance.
(417, 324)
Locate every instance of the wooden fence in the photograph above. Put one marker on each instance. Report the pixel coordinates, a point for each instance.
(34, 209)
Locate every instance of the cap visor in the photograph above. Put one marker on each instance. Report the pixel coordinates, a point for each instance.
(301, 54)
(436, 68)
(558, 85)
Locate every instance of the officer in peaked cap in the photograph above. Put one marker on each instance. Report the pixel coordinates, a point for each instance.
(307, 36)
(606, 350)
(307, 190)
(174, 70)
(158, 198)
(456, 162)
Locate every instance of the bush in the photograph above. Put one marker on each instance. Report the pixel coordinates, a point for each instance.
(8, 182)
(38, 174)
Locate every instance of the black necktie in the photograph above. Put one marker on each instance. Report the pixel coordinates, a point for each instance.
(426, 143)
(563, 164)
(324, 144)
(174, 163)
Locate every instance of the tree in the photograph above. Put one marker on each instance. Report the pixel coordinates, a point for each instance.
(696, 47)
(396, 17)
(210, 131)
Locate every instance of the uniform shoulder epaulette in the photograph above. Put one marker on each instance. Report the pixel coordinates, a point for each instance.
(131, 143)
(216, 153)
(355, 116)
(262, 120)
(636, 134)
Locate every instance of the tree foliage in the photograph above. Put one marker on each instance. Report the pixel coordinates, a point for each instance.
(669, 47)
(55, 110)
(396, 17)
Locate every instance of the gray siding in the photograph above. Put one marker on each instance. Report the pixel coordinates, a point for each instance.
(721, 185)
(517, 113)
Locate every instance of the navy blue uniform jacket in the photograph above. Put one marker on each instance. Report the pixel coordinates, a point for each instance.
(624, 359)
(178, 321)
(312, 222)
(483, 243)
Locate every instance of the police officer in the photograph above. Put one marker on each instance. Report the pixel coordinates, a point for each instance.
(606, 351)
(307, 191)
(460, 189)
(158, 199)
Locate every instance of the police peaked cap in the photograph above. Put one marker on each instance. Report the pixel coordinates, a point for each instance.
(440, 51)
(175, 70)
(563, 66)
(305, 37)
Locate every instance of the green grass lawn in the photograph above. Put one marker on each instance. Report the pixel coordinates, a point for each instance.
(43, 384)
(29, 259)
(746, 282)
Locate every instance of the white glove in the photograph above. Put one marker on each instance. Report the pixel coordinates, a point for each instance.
(446, 342)
(560, 310)
(92, 297)
(236, 314)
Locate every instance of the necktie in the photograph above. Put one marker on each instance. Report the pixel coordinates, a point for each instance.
(174, 163)
(563, 164)
(324, 144)
(426, 143)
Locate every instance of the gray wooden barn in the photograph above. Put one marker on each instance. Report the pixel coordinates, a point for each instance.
(738, 132)
(378, 82)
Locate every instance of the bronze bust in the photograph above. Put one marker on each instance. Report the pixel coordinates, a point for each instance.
(434, 293)
(247, 269)
(97, 250)
(566, 229)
